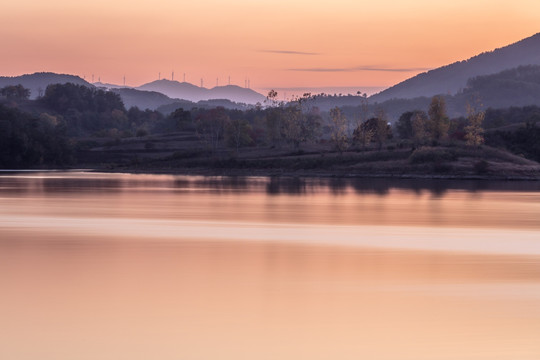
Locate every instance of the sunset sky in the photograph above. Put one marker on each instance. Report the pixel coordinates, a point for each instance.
(276, 44)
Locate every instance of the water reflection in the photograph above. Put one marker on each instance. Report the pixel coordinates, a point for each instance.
(293, 186)
(74, 181)
(119, 266)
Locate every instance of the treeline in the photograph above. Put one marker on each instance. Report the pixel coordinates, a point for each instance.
(296, 123)
(37, 132)
(40, 132)
(29, 141)
(95, 112)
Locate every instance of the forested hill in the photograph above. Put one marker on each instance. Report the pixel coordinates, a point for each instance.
(450, 79)
(518, 87)
(37, 83)
(514, 87)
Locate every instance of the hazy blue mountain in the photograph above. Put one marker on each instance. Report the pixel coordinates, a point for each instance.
(513, 87)
(450, 79)
(187, 91)
(38, 82)
(175, 89)
(154, 100)
(109, 86)
(236, 94)
(203, 104)
(517, 87)
(144, 99)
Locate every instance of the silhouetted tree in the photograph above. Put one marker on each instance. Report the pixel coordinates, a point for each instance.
(210, 126)
(181, 118)
(420, 128)
(338, 129)
(404, 125)
(237, 133)
(382, 128)
(15, 92)
(438, 120)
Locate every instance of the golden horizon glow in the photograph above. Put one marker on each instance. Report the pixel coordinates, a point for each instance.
(277, 44)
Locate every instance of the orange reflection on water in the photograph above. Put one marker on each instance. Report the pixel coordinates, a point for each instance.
(128, 267)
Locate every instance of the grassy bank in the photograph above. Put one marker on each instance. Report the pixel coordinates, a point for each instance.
(181, 155)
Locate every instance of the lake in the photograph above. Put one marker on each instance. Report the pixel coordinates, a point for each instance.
(119, 266)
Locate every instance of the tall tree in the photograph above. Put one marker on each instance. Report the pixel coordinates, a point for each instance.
(420, 130)
(339, 129)
(438, 120)
(404, 125)
(474, 131)
(237, 133)
(382, 129)
(210, 126)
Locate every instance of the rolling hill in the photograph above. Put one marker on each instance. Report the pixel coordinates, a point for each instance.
(187, 91)
(157, 101)
(38, 82)
(147, 99)
(517, 87)
(450, 79)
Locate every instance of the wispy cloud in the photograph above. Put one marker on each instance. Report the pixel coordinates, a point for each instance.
(360, 68)
(288, 52)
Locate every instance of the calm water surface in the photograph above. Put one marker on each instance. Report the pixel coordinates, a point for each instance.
(115, 266)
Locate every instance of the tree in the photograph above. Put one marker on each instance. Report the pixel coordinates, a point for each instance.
(438, 120)
(181, 118)
(338, 129)
(15, 92)
(382, 129)
(273, 125)
(420, 131)
(298, 127)
(210, 126)
(27, 140)
(364, 133)
(273, 119)
(404, 125)
(237, 133)
(272, 97)
(364, 111)
(474, 131)
(291, 125)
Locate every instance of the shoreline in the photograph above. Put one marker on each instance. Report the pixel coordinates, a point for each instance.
(278, 173)
(313, 174)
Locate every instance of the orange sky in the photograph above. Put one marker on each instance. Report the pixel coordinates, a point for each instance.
(277, 43)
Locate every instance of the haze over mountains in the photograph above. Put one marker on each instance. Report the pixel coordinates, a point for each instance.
(38, 82)
(187, 91)
(478, 76)
(151, 95)
(450, 79)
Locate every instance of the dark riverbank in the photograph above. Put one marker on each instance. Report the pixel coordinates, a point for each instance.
(424, 163)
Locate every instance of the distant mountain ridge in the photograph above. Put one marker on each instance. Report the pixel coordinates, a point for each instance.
(148, 96)
(154, 100)
(450, 79)
(37, 83)
(187, 91)
(517, 87)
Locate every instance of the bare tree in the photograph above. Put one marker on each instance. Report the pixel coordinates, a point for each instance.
(339, 129)
(237, 133)
(210, 126)
(382, 129)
